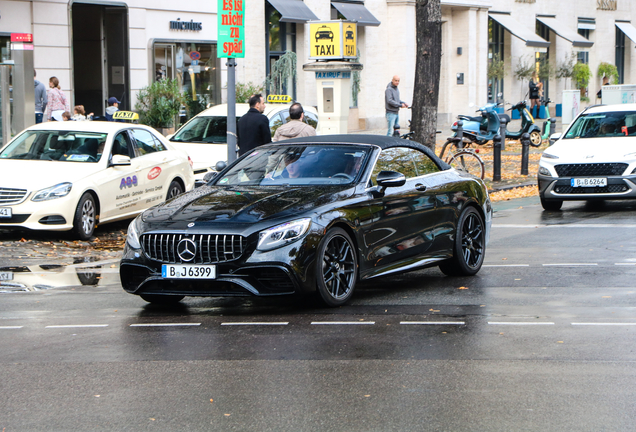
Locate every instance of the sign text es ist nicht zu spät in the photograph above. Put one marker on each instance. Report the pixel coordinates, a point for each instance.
(231, 16)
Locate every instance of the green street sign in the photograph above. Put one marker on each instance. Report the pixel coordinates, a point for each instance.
(231, 38)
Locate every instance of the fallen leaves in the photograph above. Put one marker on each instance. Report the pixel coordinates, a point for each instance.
(520, 192)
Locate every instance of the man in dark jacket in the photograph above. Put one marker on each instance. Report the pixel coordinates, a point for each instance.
(253, 127)
(392, 104)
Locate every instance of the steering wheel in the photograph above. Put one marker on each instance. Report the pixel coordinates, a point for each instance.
(344, 176)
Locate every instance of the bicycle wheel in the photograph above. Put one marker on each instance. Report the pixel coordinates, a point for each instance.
(468, 162)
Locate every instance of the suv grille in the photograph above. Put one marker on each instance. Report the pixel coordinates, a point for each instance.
(11, 196)
(210, 248)
(615, 188)
(593, 169)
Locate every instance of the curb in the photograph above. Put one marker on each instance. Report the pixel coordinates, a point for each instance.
(510, 187)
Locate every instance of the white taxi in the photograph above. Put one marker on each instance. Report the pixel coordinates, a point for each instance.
(70, 176)
(204, 136)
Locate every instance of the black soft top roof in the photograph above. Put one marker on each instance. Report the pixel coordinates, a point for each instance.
(381, 141)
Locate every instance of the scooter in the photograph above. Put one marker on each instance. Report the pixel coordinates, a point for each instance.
(482, 129)
(547, 125)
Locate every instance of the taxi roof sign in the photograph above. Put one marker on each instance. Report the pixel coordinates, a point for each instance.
(279, 99)
(125, 115)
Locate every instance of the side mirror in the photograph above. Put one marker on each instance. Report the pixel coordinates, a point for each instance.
(555, 137)
(120, 160)
(387, 179)
(220, 166)
(209, 176)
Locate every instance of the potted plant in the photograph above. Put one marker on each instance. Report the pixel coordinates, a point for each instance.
(158, 105)
(581, 75)
(608, 71)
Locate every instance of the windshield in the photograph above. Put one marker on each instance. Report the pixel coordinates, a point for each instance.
(603, 125)
(298, 166)
(203, 130)
(68, 146)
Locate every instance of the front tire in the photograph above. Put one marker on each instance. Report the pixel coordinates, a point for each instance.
(336, 268)
(550, 205)
(469, 247)
(174, 189)
(535, 138)
(85, 219)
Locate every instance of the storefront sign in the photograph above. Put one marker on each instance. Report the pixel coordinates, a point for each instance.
(185, 25)
(231, 17)
(332, 40)
(21, 37)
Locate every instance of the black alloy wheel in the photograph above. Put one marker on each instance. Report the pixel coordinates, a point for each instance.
(470, 245)
(337, 268)
(174, 189)
(85, 219)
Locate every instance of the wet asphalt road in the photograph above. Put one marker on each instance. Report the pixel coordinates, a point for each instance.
(541, 339)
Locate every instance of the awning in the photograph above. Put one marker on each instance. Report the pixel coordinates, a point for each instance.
(522, 32)
(567, 34)
(293, 11)
(356, 12)
(628, 29)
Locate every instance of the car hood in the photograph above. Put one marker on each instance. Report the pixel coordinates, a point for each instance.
(244, 205)
(40, 174)
(593, 150)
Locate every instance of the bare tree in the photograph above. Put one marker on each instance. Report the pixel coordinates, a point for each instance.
(428, 15)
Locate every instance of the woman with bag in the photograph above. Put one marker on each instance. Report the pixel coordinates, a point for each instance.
(57, 101)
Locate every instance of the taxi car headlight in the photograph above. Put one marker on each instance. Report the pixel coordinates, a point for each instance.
(132, 236)
(544, 171)
(57, 191)
(283, 234)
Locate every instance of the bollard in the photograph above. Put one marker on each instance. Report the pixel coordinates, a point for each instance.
(503, 122)
(396, 130)
(525, 153)
(552, 128)
(460, 134)
(496, 170)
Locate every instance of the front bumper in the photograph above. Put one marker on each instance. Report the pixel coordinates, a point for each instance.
(51, 215)
(559, 188)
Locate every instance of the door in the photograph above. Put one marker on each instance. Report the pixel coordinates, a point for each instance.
(164, 61)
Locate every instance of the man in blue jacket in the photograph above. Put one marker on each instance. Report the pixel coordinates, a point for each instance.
(253, 127)
(392, 104)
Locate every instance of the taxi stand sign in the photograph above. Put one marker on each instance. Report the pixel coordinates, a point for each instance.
(329, 40)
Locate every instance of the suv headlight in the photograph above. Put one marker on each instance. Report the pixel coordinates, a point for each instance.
(549, 156)
(57, 191)
(283, 234)
(132, 237)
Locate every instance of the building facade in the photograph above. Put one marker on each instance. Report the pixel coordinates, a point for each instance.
(99, 49)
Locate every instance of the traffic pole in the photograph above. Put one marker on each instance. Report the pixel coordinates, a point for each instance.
(231, 110)
(525, 153)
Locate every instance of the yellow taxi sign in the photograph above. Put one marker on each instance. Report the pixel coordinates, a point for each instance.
(125, 115)
(332, 40)
(279, 99)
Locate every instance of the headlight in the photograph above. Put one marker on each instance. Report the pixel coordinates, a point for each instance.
(132, 237)
(544, 171)
(549, 156)
(283, 234)
(57, 191)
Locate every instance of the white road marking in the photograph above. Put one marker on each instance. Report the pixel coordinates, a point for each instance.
(604, 324)
(506, 265)
(253, 323)
(520, 323)
(77, 326)
(342, 322)
(10, 327)
(166, 325)
(433, 322)
(625, 264)
(564, 226)
(569, 264)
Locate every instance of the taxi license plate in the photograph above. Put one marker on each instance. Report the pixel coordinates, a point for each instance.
(589, 182)
(5, 212)
(6, 276)
(188, 271)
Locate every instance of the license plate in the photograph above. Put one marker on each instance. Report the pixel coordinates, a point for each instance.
(188, 271)
(589, 182)
(6, 276)
(5, 212)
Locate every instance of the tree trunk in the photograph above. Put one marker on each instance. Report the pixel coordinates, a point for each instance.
(428, 15)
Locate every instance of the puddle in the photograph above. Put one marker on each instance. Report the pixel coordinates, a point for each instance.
(84, 272)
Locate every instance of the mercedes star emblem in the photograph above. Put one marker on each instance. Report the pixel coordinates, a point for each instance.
(191, 224)
(187, 250)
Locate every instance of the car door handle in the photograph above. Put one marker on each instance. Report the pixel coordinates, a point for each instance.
(420, 187)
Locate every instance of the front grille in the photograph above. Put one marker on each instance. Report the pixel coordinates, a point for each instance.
(210, 248)
(593, 169)
(590, 190)
(11, 196)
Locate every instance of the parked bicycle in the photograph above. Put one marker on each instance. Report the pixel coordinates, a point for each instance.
(462, 158)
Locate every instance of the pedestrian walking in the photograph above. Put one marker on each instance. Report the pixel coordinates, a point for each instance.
(253, 127)
(41, 99)
(113, 107)
(57, 102)
(392, 103)
(295, 127)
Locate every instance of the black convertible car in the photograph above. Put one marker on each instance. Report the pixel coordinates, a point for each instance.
(310, 215)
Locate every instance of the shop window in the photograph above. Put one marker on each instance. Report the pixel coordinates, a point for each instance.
(281, 37)
(543, 58)
(620, 54)
(583, 56)
(495, 54)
